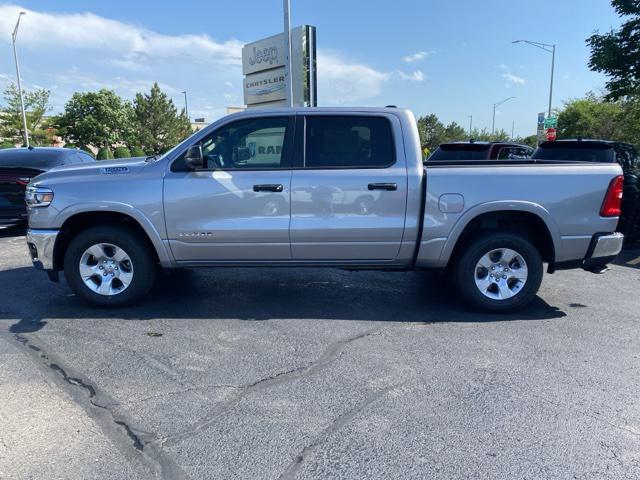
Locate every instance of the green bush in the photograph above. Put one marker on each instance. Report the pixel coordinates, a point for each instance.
(104, 154)
(70, 145)
(7, 144)
(137, 152)
(121, 152)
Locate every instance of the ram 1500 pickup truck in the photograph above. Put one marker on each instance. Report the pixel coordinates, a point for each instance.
(321, 187)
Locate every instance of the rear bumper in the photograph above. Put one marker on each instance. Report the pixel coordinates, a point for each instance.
(603, 249)
(41, 244)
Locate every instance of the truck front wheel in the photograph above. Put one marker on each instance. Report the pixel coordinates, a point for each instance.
(498, 272)
(109, 266)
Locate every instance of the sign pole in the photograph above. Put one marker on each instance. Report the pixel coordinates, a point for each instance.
(287, 67)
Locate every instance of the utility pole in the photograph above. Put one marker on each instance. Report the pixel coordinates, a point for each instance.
(15, 57)
(497, 104)
(186, 105)
(549, 48)
(287, 66)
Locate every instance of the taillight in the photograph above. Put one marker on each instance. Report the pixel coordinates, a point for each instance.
(612, 205)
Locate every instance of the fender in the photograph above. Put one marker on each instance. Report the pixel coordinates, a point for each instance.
(164, 255)
(500, 206)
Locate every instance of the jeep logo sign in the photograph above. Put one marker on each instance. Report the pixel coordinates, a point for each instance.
(263, 55)
(266, 55)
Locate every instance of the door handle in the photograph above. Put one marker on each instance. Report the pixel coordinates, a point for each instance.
(383, 186)
(268, 187)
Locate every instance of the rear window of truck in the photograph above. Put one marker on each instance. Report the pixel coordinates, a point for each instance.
(593, 153)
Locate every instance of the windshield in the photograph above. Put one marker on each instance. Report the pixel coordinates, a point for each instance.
(459, 152)
(598, 153)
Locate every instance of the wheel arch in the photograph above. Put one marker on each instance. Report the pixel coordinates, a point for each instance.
(78, 221)
(526, 218)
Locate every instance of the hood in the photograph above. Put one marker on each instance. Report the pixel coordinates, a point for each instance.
(104, 168)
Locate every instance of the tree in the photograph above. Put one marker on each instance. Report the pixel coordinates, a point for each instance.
(100, 119)
(36, 105)
(590, 117)
(431, 131)
(617, 53)
(158, 125)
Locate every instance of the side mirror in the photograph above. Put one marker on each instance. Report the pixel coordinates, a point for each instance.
(193, 159)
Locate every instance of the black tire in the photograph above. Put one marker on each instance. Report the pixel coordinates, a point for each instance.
(464, 271)
(136, 247)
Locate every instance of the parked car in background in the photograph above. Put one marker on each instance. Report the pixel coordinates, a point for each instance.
(18, 166)
(322, 187)
(603, 151)
(473, 150)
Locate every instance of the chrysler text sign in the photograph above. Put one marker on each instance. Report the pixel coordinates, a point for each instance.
(264, 87)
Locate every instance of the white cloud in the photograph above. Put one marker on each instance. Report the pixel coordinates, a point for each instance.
(341, 81)
(416, 57)
(133, 44)
(510, 77)
(417, 76)
(75, 78)
(93, 52)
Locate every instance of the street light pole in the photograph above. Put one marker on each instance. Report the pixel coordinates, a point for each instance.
(186, 105)
(15, 57)
(470, 124)
(497, 104)
(549, 48)
(287, 66)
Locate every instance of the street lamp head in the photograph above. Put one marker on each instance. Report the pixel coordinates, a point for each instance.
(22, 13)
(516, 41)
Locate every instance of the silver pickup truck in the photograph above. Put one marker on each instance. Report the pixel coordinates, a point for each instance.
(322, 187)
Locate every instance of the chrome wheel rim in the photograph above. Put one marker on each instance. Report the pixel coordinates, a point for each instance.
(106, 269)
(501, 274)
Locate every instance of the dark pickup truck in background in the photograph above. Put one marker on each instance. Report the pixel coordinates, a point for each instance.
(603, 151)
(18, 166)
(472, 150)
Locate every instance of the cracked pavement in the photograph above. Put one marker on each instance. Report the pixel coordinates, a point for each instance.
(284, 373)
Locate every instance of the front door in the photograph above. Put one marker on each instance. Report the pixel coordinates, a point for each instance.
(236, 208)
(349, 192)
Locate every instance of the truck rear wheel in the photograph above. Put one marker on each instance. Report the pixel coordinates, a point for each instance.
(109, 266)
(498, 272)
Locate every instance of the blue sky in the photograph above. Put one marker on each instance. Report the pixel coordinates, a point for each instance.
(452, 58)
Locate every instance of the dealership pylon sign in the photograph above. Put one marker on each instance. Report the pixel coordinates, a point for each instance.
(264, 70)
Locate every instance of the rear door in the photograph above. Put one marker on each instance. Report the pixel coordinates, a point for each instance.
(348, 188)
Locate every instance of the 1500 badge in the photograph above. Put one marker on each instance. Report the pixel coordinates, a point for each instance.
(115, 170)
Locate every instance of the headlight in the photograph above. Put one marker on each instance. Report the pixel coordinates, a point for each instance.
(38, 196)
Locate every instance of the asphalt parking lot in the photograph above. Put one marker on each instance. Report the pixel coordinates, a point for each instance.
(284, 373)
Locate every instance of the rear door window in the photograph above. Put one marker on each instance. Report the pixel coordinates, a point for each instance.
(342, 141)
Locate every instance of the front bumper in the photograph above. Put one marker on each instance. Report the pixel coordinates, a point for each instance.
(41, 244)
